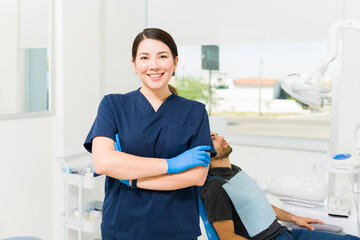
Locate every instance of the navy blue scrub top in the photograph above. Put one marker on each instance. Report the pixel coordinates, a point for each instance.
(178, 125)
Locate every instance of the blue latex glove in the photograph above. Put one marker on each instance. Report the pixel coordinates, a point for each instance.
(126, 182)
(117, 143)
(118, 148)
(189, 159)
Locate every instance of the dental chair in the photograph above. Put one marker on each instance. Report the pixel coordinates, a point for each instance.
(210, 231)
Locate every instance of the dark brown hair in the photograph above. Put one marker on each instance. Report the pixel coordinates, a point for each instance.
(156, 34)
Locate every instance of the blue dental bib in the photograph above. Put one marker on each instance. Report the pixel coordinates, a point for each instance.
(250, 203)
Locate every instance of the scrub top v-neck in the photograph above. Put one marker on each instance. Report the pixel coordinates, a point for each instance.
(178, 125)
(148, 105)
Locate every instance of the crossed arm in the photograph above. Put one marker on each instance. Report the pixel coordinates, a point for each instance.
(149, 172)
(226, 230)
(193, 177)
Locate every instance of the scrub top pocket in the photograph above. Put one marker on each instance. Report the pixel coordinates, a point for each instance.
(179, 137)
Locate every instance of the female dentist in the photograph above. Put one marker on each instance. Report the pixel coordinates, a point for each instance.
(165, 146)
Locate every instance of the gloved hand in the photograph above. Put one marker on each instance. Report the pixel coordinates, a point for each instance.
(189, 159)
(118, 148)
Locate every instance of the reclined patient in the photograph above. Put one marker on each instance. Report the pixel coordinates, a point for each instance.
(238, 209)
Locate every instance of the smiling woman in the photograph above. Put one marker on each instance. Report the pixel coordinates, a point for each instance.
(165, 147)
(25, 58)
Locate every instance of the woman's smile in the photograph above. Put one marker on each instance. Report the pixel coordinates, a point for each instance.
(155, 76)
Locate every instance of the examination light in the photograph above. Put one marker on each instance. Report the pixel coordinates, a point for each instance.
(304, 87)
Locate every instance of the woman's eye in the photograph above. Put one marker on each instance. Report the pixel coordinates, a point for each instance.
(163, 56)
(143, 58)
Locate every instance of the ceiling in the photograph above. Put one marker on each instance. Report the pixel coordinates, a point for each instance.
(199, 22)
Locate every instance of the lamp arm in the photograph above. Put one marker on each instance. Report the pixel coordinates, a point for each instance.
(315, 73)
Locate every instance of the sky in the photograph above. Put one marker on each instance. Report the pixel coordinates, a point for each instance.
(247, 60)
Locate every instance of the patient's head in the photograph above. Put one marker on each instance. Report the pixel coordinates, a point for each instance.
(222, 148)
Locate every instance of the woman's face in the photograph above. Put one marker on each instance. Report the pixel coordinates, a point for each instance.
(154, 64)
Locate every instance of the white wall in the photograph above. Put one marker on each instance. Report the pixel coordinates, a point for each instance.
(121, 23)
(34, 23)
(9, 21)
(77, 87)
(26, 182)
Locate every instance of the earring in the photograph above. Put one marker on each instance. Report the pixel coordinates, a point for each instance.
(173, 73)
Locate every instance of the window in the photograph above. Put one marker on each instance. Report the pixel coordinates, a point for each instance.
(246, 90)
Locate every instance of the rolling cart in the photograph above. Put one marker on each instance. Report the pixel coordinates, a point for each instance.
(86, 217)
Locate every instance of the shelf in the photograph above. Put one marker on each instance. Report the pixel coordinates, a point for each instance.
(326, 166)
(83, 181)
(87, 226)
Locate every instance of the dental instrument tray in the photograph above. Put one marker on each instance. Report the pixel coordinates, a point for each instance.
(91, 216)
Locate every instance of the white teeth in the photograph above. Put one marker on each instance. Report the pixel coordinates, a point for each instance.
(155, 75)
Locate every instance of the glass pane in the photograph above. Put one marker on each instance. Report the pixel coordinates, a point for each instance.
(246, 90)
(36, 80)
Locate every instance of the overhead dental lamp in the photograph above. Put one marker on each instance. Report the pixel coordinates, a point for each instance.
(304, 87)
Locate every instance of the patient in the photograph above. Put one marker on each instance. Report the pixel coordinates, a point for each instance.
(238, 209)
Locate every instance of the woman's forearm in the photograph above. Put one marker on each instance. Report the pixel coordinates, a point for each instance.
(122, 165)
(193, 177)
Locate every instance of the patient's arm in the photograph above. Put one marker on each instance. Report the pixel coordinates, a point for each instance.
(193, 177)
(300, 221)
(226, 231)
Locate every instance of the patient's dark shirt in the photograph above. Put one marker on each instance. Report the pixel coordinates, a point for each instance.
(219, 207)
